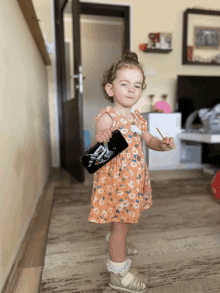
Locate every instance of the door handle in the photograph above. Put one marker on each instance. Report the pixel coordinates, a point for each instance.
(80, 77)
(77, 76)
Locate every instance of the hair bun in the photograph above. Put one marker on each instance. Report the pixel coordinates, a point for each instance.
(131, 56)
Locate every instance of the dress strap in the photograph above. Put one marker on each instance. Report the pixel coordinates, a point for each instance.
(108, 110)
(141, 120)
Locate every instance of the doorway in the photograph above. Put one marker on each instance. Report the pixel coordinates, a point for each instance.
(101, 45)
(96, 19)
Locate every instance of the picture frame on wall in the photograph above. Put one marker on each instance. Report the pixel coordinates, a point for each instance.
(207, 38)
(166, 40)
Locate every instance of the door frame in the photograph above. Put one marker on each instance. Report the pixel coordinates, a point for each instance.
(124, 10)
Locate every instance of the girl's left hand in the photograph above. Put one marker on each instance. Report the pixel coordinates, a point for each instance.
(167, 144)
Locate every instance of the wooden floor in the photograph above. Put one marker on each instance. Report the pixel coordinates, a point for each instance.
(30, 275)
(29, 280)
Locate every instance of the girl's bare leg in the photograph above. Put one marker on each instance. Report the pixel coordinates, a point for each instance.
(118, 242)
(128, 228)
(127, 233)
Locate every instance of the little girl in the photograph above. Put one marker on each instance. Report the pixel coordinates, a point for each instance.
(121, 188)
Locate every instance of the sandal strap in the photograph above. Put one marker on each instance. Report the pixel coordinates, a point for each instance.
(133, 280)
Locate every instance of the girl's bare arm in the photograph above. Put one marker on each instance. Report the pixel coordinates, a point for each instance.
(151, 141)
(104, 128)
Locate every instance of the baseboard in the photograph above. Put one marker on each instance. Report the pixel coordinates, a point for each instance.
(15, 272)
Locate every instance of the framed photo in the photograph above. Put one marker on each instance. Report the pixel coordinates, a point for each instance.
(207, 38)
(165, 40)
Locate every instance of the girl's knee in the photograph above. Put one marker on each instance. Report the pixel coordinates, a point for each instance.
(121, 226)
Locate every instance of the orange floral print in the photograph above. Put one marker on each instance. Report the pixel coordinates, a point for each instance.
(121, 188)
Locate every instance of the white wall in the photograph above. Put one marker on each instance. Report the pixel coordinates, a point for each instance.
(25, 154)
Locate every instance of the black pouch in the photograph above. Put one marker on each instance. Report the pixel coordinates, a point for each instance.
(101, 154)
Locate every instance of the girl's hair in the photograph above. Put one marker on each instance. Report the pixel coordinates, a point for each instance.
(129, 60)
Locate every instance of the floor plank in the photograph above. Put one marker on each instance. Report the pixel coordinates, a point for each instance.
(29, 280)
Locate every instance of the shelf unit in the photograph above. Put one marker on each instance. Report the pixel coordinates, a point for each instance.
(200, 137)
(157, 50)
(200, 63)
(185, 31)
(30, 16)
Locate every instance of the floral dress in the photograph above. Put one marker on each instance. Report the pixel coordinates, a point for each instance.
(121, 188)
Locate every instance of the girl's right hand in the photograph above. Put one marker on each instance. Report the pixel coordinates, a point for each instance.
(104, 135)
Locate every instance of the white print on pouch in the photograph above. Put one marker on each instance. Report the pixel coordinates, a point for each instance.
(101, 155)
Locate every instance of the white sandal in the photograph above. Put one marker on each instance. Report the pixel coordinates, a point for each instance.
(131, 282)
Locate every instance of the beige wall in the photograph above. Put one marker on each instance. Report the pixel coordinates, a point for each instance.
(24, 131)
(45, 13)
(169, 18)
(26, 85)
(154, 16)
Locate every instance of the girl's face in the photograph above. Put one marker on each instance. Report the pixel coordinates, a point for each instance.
(126, 89)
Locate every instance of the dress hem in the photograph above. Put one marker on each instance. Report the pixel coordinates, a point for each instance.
(110, 221)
